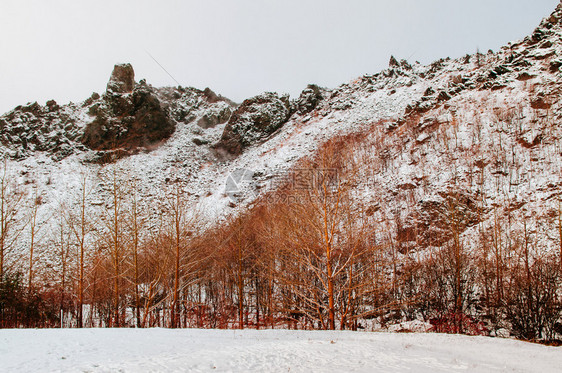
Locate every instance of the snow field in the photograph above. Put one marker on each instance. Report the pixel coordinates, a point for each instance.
(193, 350)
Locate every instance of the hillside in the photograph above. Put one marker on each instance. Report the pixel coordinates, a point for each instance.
(452, 168)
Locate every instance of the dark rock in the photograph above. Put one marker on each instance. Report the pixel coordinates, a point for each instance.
(128, 121)
(393, 63)
(90, 100)
(405, 65)
(309, 99)
(36, 128)
(256, 119)
(443, 96)
(540, 101)
(52, 105)
(419, 107)
(535, 141)
(497, 86)
(544, 53)
(525, 76)
(555, 65)
(546, 44)
(435, 67)
(407, 186)
(538, 35)
(122, 79)
(33, 108)
(371, 210)
(197, 141)
(185, 104)
(429, 91)
(212, 97)
(501, 69)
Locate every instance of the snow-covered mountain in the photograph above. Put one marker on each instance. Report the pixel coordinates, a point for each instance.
(162, 134)
(480, 134)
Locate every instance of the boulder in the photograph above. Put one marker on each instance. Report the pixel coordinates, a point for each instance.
(254, 120)
(309, 99)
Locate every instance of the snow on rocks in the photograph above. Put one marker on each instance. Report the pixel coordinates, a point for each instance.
(256, 119)
(430, 118)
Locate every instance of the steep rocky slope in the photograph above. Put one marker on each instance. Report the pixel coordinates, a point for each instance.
(482, 130)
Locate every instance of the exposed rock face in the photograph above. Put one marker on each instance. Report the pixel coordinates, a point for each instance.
(217, 114)
(309, 99)
(393, 62)
(256, 119)
(128, 116)
(436, 219)
(213, 98)
(33, 127)
(128, 120)
(122, 79)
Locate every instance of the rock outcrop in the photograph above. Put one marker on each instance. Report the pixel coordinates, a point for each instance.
(126, 118)
(32, 127)
(122, 79)
(219, 113)
(256, 119)
(129, 117)
(309, 99)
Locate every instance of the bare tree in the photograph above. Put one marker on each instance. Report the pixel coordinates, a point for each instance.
(136, 223)
(10, 203)
(32, 237)
(63, 245)
(185, 259)
(114, 219)
(81, 228)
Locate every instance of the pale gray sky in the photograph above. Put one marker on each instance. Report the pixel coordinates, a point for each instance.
(66, 50)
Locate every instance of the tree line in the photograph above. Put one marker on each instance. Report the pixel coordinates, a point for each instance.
(308, 255)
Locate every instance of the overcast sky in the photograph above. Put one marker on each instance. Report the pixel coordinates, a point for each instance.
(65, 50)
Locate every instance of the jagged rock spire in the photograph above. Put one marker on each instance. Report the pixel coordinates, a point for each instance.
(122, 79)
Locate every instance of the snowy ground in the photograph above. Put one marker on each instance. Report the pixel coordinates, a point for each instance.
(162, 350)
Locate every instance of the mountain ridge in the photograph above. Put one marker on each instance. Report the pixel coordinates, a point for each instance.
(459, 153)
(407, 90)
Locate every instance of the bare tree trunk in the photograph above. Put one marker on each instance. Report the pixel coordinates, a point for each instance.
(177, 210)
(116, 253)
(135, 226)
(560, 232)
(81, 242)
(240, 283)
(33, 226)
(499, 259)
(79, 226)
(10, 201)
(63, 258)
(113, 221)
(329, 228)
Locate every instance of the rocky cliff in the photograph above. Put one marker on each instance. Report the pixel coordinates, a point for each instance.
(482, 132)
